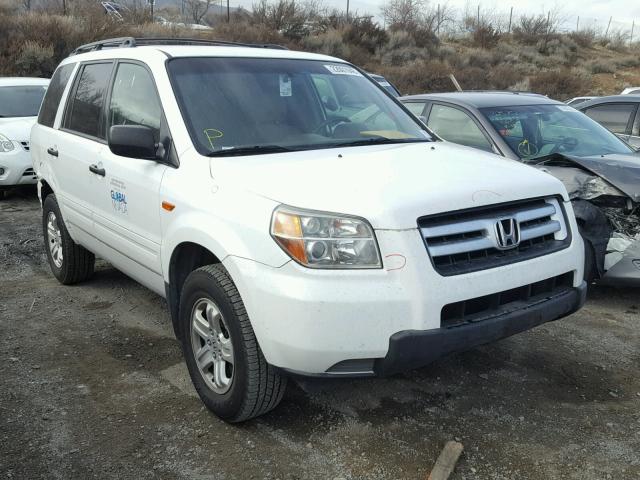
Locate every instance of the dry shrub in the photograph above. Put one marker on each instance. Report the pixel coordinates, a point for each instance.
(504, 77)
(401, 49)
(601, 66)
(246, 33)
(584, 37)
(363, 32)
(35, 60)
(329, 43)
(486, 36)
(563, 83)
(420, 77)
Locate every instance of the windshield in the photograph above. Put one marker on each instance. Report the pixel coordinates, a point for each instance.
(263, 105)
(21, 101)
(535, 131)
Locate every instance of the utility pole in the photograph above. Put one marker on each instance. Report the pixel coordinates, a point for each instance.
(478, 18)
(510, 18)
(228, 12)
(633, 24)
(64, 7)
(438, 21)
(347, 11)
(578, 24)
(606, 34)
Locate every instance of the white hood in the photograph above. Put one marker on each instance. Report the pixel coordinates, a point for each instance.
(390, 185)
(17, 129)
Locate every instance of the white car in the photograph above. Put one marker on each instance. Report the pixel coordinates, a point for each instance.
(296, 218)
(20, 99)
(631, 91)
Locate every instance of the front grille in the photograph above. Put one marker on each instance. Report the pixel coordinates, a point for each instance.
(467, 241)
(25, 145)
(500, 303)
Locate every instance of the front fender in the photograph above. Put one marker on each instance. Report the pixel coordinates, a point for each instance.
(222, 237)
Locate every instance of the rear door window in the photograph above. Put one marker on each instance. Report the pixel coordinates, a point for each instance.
(54, 93)
(85, 111)
(616, 117)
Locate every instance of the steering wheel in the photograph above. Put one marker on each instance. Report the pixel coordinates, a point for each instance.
(567, 144)
(329, 122)
(527, 149)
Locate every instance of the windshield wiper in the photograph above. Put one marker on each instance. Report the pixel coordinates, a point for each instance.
(378, 141)
(254, 150)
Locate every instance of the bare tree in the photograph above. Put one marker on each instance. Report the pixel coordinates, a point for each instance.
(196, 9)
(294, 19)
(413, 15)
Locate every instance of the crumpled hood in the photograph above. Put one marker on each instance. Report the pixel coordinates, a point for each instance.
(17, 129)
(389, 185)
(620, 170)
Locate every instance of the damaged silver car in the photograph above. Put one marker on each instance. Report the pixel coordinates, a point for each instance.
(600, 171)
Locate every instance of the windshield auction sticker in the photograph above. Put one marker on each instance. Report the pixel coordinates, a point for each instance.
(343, 70)
(285, 85)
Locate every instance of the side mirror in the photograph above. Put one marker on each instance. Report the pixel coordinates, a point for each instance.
(133, 141)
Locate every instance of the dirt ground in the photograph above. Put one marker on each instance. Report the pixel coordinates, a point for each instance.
(92, 385)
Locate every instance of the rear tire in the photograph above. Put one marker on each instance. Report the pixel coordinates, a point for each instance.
(70, 263)
(226, 365)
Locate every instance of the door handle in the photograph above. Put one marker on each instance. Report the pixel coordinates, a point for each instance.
(97, 170)
(52, 151)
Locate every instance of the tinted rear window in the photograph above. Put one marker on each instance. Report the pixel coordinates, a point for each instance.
(85, 111)
(54, 94)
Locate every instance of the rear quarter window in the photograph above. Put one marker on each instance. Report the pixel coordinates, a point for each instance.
(54, 93)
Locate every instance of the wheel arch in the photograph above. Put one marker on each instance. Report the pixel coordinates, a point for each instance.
(44, 189)
(185, 257)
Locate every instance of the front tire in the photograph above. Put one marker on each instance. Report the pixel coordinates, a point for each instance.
(226, 365)
(70, 263)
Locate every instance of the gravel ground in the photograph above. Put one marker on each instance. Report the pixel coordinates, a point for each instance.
(92, 385)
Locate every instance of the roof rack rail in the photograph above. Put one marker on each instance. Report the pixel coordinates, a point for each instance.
(131, 42)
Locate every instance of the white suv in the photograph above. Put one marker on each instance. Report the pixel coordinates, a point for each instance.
(20, 99)
(295, 216)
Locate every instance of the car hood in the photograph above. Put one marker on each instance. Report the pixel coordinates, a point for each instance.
(17, 128)
(389, 185)
(620, 170)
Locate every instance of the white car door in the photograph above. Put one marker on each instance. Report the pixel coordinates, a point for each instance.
(78, 146)
(127, 204)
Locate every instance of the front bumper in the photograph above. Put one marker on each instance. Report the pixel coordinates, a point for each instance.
(412, 349)
(17, 166)
(626, 272)
(322, 322)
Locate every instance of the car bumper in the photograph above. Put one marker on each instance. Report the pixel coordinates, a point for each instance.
(412, 349)
(340, 322)
(17, 167)
(626, 272)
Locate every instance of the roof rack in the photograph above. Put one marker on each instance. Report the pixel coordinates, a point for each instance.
(131, 42)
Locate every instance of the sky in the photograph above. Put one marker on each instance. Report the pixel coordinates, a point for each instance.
(599, 11)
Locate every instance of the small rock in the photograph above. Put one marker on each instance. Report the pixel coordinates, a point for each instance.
(613, 394)
(13, 359)
(484, 376)
(521, 419)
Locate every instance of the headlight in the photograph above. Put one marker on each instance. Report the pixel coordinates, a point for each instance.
(6, 145)
(325, 240)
